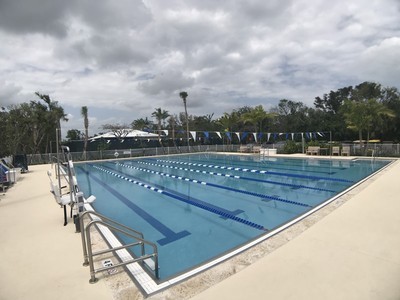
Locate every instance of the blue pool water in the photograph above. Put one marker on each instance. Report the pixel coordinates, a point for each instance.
(197, 207)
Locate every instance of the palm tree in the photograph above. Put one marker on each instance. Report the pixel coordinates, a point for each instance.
(362, 115)
(171, 123)
(160, 116)
(141, 124)
(184, 95)
(55, 115)
(256, 116)
(228, 121)
(84, 113)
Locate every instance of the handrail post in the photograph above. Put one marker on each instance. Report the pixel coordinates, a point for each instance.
(93, 278)
(87, 244)
(84, 248)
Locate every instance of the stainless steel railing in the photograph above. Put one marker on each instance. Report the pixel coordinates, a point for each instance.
(113, 226)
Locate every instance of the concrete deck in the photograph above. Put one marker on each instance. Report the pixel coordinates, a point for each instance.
(353, 253)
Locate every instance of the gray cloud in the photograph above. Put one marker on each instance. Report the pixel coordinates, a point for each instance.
(128, 57)
(34, 16)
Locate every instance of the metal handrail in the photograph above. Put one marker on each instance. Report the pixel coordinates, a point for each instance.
(115, 226)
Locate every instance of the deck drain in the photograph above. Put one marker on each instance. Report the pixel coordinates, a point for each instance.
(107, 264)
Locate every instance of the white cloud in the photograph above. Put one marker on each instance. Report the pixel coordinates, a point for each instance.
(126, 58)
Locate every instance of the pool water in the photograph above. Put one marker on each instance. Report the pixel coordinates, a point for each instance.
(198, 207)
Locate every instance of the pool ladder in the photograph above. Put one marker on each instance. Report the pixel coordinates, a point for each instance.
(148, 260)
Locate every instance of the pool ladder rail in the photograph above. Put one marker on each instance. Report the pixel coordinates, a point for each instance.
(150, 261)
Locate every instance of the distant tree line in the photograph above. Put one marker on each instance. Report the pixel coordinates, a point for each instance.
(365, 111)
(31, 127)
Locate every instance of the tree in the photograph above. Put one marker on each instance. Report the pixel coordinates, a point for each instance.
(229, 121)
(142, 124)
(291, 116)
(363, 114)
(160, 116)
(184, 95)
(30, 127)
(256, 117)
(84, 113)
(74, 135)
(391, 126)
(54, 117)
(332, 102)
(172, 124)
(120, 131)
(203, 123)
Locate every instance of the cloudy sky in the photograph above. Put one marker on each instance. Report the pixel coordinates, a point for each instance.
(124, 58)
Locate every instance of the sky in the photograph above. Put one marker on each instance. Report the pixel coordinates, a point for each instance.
(123, 59)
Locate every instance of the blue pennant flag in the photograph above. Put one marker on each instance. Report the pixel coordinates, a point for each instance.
(244, 135)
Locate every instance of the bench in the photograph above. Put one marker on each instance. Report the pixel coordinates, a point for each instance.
(244, 149)
(313, 150)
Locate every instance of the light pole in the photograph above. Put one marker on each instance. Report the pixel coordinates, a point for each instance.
(184, 95)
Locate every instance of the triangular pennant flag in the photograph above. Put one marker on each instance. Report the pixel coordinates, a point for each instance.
(207, 135)
(244, 135)
(260, 135)
(287, 135)
(238, 135)
(320, 134)
(228, 134)
(193, 133)
(255, 136)
(166, 132)
(219, 134)
(268, 136)
(292, 136)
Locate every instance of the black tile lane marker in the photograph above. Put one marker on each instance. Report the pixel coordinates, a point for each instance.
(295, 186)
(169, 235)
(217, 186)
(188, 201)
(257, 171)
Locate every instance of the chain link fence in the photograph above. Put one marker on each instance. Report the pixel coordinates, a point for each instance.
(377, 150)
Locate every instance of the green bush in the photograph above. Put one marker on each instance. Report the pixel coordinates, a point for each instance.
(291, 147)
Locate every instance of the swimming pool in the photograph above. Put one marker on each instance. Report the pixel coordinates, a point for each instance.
(198, 207)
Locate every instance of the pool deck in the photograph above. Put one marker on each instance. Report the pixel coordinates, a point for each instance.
(352, 253)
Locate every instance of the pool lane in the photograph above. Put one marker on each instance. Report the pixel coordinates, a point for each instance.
(198, 203)
(257, 171)
(295, 186)
(169, 235)
(254, 194)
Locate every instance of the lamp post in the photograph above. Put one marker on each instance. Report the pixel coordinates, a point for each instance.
(184, 95)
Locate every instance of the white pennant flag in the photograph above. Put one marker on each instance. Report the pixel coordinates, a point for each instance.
(193, 133)
(166, 132)
(292, 136)
(268, 136)
(219, 134)
(255, 136)
(238, 135)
